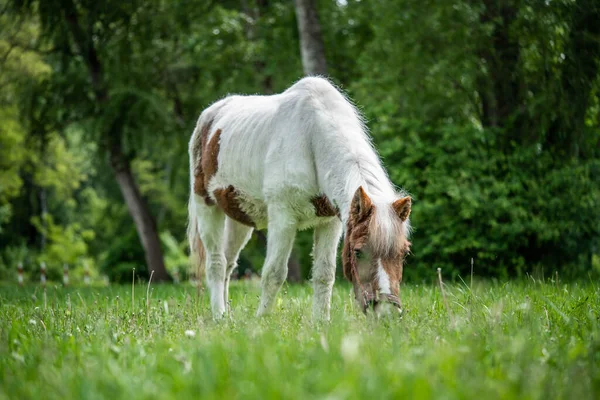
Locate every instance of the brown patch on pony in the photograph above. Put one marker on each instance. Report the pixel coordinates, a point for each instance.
(198, 152)
(200, 142)
(227, 199)
(323, 207)
(357, 230)
(394, 267)
(209, 161)
(199, 187)
(210, 157)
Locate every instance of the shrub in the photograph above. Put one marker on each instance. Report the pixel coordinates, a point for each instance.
(512, 211)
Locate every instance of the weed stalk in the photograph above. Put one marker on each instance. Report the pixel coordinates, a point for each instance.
(148, 298)
(439, 271)
(133, 294)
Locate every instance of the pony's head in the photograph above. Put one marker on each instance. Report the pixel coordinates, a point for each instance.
(375, 245)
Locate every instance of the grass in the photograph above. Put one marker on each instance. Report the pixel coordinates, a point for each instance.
(521, 340)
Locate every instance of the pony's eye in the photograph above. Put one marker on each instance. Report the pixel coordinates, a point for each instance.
(358, 254)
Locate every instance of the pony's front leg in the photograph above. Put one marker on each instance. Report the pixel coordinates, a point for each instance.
(325, 245)
(280, 239)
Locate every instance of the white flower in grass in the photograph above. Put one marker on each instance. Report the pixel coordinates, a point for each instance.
(349, 348)
(190, 333)
(18, 357)
(32, 322)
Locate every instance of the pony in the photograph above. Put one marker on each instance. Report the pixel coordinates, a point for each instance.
(299, 159)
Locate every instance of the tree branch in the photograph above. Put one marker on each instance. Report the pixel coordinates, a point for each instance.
(87, 50)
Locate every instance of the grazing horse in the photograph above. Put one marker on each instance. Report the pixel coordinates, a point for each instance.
(291, 161)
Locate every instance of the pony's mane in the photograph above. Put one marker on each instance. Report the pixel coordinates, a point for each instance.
(356, 161)
(387, 233)
(358, 164)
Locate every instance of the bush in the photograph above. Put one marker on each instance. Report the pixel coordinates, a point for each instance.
(10, 257)
(513, 211)
(122, 256)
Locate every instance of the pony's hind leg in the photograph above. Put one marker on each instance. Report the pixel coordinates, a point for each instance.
(211, 226)
(236, 237)
(281, 231)
(326, 240)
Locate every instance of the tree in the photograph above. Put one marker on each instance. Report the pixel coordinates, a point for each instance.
(486, 111)
(311, 41)
(77, 29)
(19, 67)
(478, 110)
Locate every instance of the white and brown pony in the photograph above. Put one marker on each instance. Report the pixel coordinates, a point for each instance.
(290, 161)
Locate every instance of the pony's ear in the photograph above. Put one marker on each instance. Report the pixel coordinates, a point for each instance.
(361, 203)
(402, 207)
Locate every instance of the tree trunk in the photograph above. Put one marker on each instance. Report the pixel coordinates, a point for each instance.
(313, 63)
(253, 14)
(43, 215)
(311, 40)
(144, 223)
(499, 89)
(580, 71)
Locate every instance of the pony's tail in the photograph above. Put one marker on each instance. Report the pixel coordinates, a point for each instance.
(197, 255)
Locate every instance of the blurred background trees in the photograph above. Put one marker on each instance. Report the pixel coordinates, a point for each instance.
(486, 111)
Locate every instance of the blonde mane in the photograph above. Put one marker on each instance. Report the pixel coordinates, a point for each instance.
(387, 233)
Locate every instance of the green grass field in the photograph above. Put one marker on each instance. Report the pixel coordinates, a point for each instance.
(521, 340)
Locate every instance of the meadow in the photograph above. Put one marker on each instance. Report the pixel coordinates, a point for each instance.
(494, 340)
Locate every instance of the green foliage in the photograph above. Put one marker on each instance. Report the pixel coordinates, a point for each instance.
(18, 65)
(486, 112)
(12, 156)
(510, 213)
(10, 258)
(122, 256)
(67, 244)
(57, 168)
(529, 339)
(176, 258)
(469, 114)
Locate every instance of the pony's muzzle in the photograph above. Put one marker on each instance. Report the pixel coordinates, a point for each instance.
(384, 309)
(382, 304)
